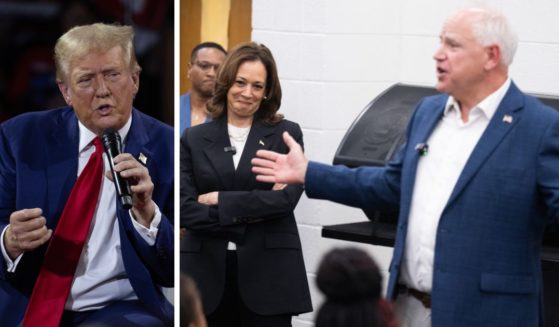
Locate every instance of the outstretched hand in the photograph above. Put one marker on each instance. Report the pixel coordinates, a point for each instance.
(273, 167)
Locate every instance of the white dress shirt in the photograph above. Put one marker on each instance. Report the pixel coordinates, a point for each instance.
(100, 276)
(238, 137)
(450, 146)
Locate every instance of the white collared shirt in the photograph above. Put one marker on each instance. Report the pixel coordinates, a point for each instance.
(238, 138)
(450, 145)
(100, 276)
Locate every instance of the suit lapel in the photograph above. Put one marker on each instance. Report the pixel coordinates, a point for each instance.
(138, 138)
(61, 154)
(505, 118)
(258, 138)
(217, 139)
(425, 125)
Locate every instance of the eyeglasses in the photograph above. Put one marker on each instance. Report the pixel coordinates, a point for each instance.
(205, 66)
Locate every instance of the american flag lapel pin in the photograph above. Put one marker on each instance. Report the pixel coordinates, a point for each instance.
(142, 158)
(507, 119)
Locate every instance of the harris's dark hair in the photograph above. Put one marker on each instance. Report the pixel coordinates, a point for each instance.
(204, 45)
(351, 282)
(251, 51)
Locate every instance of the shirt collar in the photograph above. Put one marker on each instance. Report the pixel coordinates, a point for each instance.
(488, 105)
(87, 136)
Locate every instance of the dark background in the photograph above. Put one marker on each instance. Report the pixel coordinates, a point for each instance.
(28, 33)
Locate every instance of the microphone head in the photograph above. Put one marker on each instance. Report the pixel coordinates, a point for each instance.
(111, 139)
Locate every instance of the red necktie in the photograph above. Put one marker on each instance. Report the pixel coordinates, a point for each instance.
(51, 290)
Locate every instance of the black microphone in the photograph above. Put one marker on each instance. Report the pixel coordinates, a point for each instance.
(422, 148)
(230, 149)
(113, 147)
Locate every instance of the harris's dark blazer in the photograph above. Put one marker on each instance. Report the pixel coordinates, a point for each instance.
(38, 165)
(487, 268)
(271, 272)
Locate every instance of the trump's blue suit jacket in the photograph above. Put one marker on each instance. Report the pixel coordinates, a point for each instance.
(38, 165)
(487, 254)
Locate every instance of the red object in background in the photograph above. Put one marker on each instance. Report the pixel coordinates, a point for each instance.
(36, 60)
(146, 13)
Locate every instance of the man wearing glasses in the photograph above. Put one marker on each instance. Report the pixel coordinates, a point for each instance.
(204, 62)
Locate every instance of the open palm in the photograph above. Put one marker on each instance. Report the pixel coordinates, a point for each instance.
(273, 167)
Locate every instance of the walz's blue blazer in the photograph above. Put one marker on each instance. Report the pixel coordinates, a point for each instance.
(38, 165)
(487, 254)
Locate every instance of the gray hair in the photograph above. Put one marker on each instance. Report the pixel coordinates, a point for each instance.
(490, 26)
(99, 37)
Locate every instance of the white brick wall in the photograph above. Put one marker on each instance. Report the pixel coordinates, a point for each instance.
(334, 57)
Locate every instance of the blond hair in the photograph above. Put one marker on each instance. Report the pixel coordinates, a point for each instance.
(99, 37)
